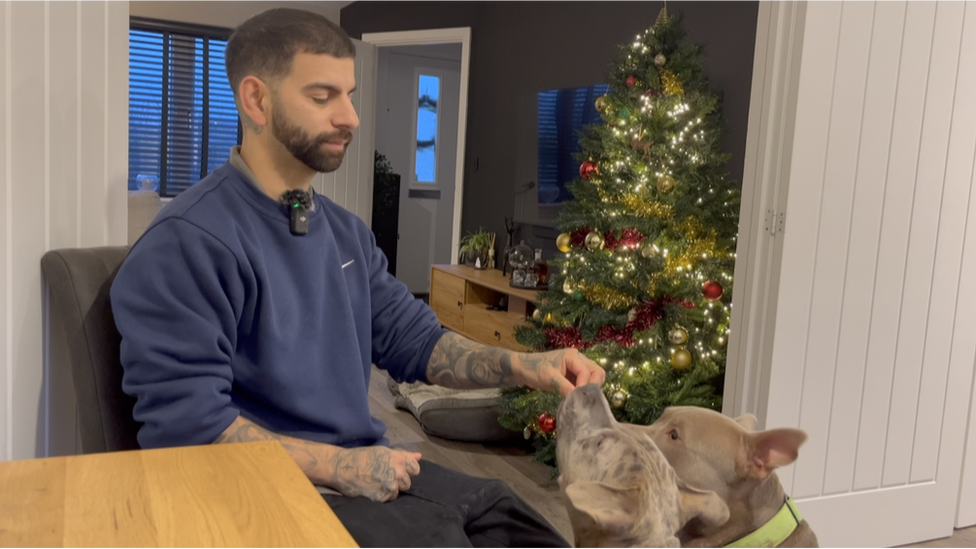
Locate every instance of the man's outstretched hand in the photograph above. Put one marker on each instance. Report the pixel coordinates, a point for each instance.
(459, 363)
(562, 370)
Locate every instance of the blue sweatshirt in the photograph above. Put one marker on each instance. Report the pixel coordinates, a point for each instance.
(223, 312)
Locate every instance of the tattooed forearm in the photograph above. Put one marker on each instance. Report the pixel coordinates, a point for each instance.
(459, 363)
(376, 472)
(305, 453)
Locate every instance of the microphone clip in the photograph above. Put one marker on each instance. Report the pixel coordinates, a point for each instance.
(298, 203)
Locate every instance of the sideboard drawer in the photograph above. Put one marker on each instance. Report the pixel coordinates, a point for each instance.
(447, 298)
(492, 327)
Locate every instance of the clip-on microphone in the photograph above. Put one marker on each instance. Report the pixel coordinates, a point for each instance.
(298, 203)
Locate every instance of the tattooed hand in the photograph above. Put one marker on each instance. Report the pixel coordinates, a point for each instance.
(561, 370)
(460, 363)
(376, 472)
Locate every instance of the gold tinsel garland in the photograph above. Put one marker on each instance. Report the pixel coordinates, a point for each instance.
(643, 208)
(606, 297)
(697, 245)
(670, 83)
(640, 206)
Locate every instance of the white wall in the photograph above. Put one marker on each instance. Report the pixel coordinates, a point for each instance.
(227, 14)
(63, 167)
(425, 225)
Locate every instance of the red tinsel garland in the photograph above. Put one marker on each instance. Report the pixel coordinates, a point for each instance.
(646, 315)
(565, 338)
(623, 337)
(632, 238)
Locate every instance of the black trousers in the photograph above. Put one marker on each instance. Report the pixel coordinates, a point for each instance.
(445, 508)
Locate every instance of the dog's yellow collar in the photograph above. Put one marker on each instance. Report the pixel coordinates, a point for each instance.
(774, 532)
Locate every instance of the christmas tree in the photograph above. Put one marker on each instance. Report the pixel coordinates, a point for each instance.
(643, 286)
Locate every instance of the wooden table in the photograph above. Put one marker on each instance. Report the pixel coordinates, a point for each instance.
(246, 494)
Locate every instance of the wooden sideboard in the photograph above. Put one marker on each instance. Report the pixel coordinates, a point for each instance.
(461, 295)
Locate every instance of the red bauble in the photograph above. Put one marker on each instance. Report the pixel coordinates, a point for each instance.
(631, 80)
(547, 423)
(712, 290)
(588, 168)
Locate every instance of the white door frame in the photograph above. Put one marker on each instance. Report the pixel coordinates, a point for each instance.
(765, 181)
(460, 35)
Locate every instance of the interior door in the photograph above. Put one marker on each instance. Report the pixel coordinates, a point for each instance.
(873, 349)
(351, 186)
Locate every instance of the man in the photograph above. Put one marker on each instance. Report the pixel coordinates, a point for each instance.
(237, 326)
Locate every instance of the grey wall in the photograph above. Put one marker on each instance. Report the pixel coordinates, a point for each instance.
(526, 47)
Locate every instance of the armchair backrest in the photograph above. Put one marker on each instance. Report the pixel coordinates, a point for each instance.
(78, 282)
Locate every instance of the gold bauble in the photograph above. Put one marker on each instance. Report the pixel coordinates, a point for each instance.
(649, 251)
(568, 286)
(678, 335)
(527, 433)
(594, 241)
(601, 103)
(665, 184)
(548, 318)
(618, 398)
(660, 59)
(564, 242)
(536, 314)
(631, 315)
(680, 359)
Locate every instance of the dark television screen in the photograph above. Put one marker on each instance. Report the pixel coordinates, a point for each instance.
(561, 115)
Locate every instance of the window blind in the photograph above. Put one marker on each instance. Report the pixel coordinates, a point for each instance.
(182, 118)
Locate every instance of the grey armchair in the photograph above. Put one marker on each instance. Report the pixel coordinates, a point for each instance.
(78, 282)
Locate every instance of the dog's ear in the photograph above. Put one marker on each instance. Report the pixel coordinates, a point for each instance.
(609, 506)
(767, 450)
(748, 422)
(702, 504)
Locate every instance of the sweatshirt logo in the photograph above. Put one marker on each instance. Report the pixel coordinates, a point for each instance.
(348, 264)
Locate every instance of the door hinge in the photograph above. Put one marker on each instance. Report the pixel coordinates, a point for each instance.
(774, 222)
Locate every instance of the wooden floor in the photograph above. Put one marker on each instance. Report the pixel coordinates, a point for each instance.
(512, 463)
(960, 538)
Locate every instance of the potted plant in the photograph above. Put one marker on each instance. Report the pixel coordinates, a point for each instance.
(474, 248)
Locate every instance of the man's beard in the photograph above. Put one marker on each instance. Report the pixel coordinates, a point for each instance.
(307, 149)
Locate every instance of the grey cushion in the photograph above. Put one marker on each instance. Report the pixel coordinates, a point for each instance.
(469, 416)
(78, 282)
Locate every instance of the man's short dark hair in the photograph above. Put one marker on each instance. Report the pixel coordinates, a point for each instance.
(266, 44)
